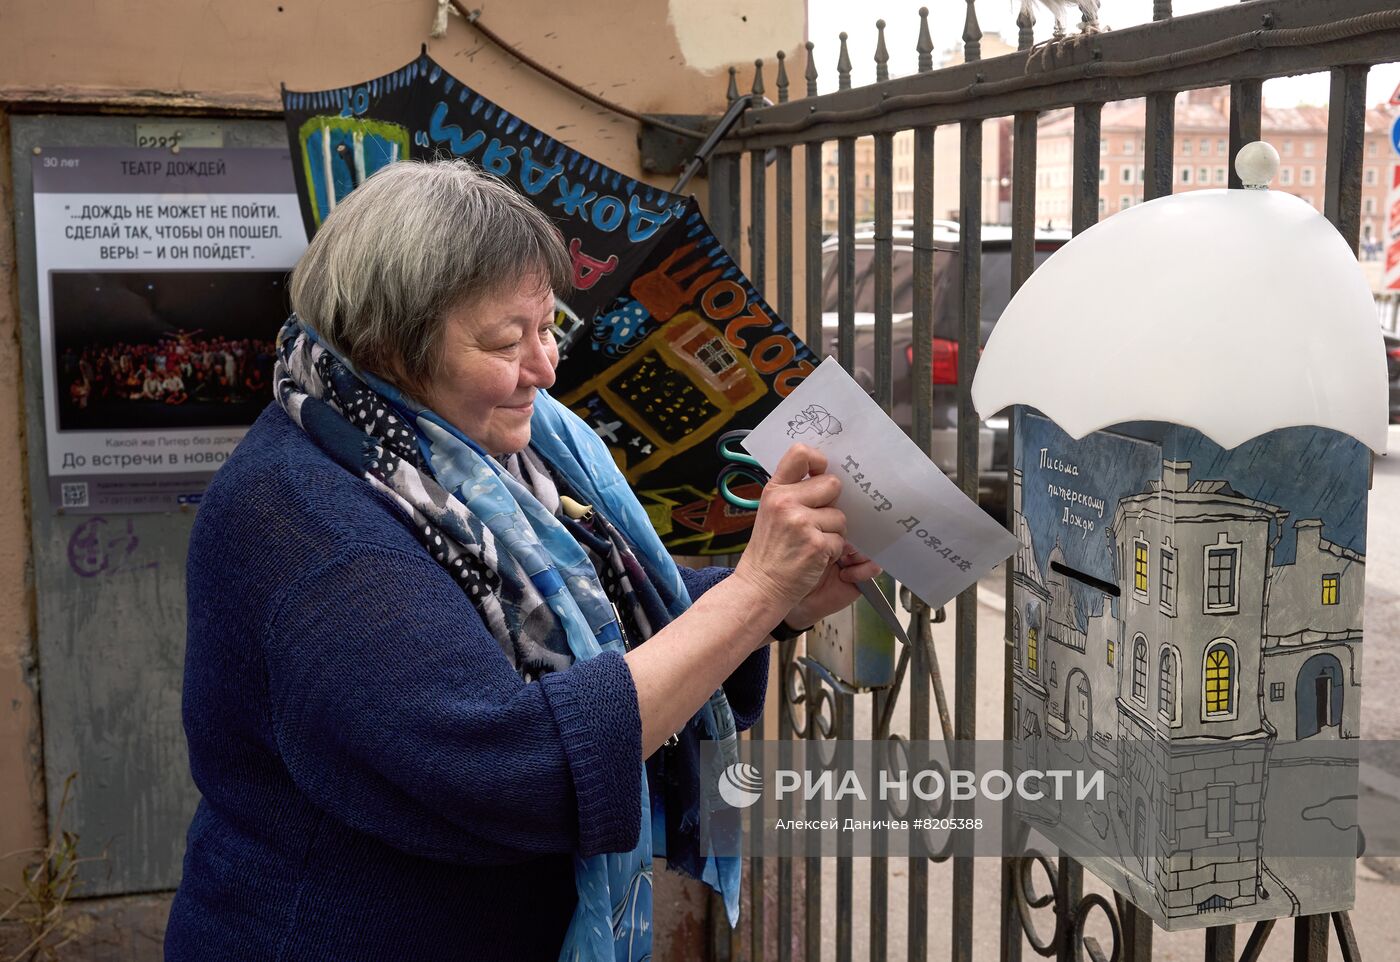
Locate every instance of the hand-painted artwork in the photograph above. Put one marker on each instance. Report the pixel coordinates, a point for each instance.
(1188, 619)
(664, 344)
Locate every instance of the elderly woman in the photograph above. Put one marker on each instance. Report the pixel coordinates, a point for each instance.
(444, 689)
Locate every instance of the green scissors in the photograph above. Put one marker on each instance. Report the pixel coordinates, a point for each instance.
(742, 467)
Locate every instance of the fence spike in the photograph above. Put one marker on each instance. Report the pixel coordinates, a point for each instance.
(732, 94)
(843, 66)
(782, 78)
(1161, 9)
(972, 34)
(925, 44)
(811, 72)
(882, 55)
(758, 82)
(1025, 21)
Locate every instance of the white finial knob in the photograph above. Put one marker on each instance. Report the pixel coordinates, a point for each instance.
(1257, 165)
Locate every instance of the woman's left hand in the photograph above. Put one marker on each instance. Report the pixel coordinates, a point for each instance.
(836, 589)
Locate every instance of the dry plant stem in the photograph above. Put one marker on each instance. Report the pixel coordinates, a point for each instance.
(48, 883)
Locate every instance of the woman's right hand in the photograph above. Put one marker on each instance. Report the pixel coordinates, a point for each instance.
(798, 532)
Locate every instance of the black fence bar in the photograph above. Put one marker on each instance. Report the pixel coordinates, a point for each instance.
(1024, 145)
(812, 936)
(1084, 203)
(1220, 943)
(846, 252)
(786, 881)
(758, 200)
(845, 864)
(1346, 938)
(1137, 934)
(1160, 129)
(1084, 207)
(723, 176)
(783, 205)
(757, 873)
(845, 352)
(758, 274)
(758, 221)
(1310, 938)
(916, 937)
(724, 199)
(1346, 144)
(1160, 144)
(1258, 938)
(969, 430)
(884, 396)
(1240, 46)
(921, 389)
(1246, 108)
(879, 861)
(1214, 48)
(883, 268)
(783, 211)
(845, 228)
(812, 238)
(812, 245)
(1069, 893)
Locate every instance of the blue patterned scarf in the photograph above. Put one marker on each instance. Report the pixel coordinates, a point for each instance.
(534, 585)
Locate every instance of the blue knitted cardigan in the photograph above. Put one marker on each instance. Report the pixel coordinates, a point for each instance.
(377, 785)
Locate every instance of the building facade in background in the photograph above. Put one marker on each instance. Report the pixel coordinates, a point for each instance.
(1201, 161)
(1202, 156)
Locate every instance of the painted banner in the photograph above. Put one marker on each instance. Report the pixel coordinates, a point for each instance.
(666, 348)
(161, 288)
(1392, 230)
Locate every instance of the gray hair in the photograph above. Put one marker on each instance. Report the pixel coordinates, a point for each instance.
(413, 242)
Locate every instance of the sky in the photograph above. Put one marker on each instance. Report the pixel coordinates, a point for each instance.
(827, 18)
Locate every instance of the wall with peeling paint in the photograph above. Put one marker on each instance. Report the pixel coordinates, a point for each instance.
(654, 56)
(21, 770)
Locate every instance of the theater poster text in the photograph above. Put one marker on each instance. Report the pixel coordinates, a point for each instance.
(162, 285)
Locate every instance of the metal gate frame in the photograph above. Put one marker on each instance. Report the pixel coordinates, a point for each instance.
(1239, 46)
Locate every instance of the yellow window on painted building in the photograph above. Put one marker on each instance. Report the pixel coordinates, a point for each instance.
(1330, 585)
(1032, 654)
(1140, 566)
(1218, 681)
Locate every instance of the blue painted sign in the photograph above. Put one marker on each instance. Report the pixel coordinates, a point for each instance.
(665, 346)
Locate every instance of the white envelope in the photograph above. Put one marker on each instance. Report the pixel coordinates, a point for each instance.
(900, 509)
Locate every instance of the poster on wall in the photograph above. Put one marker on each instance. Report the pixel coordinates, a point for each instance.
(666, 349)
(162, 284)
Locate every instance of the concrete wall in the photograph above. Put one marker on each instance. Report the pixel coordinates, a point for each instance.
(177, 58)
(650, 55)
(21, 751)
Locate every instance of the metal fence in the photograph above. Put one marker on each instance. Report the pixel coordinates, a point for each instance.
(1240, 46)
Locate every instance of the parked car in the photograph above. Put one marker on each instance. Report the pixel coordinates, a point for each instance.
(993, 454)
(1392, 369)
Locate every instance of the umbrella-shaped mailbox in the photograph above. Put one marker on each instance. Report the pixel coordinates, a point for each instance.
(1196, 383)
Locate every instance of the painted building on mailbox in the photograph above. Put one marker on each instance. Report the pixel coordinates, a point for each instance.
(1180, 642)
